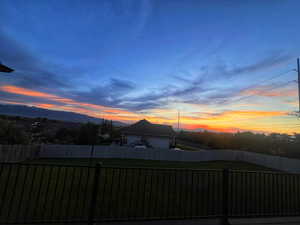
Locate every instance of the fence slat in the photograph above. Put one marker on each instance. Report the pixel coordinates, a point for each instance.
(49, 193)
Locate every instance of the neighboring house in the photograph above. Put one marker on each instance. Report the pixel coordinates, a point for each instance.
(149, 134)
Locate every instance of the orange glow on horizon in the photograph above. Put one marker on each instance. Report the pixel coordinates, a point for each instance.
(55, 98)
(210, 128)
(232, 115)
(226, 121)
(45, 106)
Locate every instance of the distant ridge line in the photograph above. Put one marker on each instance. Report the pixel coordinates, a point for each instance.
(34, 112)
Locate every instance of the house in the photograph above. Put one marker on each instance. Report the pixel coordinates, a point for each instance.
(149, 134)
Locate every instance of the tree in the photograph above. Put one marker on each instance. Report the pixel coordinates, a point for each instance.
(66, 136)
(275, 143)
(88, 134)
(10, 133)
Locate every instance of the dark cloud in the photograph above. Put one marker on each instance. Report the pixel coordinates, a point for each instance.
(32, 73)
(120, 86)
(110, 94)
(217, 98)
(183, 91)
(29, 70)
(39, 79)
(143, 105)
(159, 99)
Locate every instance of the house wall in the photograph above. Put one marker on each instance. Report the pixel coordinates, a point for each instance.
(156, 142)
(132, 138)
(159, 142)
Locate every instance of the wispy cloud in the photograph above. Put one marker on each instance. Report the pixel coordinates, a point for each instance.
(275, 59)
(271, 91)
(109, 94)
(201, 90)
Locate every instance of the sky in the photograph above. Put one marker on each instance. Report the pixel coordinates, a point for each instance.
(226, 66)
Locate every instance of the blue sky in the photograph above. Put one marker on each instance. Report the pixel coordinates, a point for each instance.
(150, 58)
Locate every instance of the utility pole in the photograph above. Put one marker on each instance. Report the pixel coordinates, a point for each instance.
(178, 120)
(298, 70)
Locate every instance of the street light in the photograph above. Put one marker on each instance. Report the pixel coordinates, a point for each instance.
(5, 69)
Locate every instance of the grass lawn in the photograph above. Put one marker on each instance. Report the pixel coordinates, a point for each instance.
(236, 165)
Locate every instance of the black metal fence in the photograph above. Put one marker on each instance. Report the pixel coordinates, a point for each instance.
(57, 193)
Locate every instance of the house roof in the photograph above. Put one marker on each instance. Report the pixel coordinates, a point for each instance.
(5, 68)
(144, 127)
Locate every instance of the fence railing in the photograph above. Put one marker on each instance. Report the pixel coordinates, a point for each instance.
(57, 193)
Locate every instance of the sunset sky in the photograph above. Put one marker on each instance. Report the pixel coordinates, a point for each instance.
(225, 65)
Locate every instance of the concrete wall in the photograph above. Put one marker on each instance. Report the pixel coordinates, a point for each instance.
(18, 153)
(84, 151)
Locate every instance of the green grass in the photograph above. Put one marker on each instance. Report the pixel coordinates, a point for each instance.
(235, 165)
(187, 147)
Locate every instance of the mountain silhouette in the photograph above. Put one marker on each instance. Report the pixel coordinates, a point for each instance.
(33, 112)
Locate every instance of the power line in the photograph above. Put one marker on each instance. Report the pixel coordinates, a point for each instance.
(263, 81)
(178, 120)
(266, 91)
(271, 78)
(275, 76)
(298, 71)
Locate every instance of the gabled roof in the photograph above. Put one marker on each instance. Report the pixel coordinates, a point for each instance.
(144, 127)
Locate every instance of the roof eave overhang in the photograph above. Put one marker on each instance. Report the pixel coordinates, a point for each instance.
(5, 69)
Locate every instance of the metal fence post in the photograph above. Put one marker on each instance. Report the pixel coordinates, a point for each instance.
(93, 202)
(225, 197)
